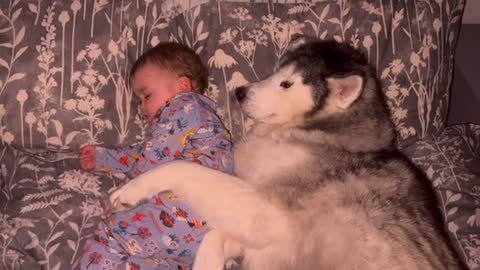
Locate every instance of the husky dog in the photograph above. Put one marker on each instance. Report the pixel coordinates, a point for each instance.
(319, 183)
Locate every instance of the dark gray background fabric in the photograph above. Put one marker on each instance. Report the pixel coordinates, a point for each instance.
(416, 42)
(49, 209)
(465, 91)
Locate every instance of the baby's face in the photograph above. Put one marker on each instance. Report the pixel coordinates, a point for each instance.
(154, 86)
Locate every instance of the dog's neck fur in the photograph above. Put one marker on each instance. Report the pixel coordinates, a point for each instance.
(370, 137)
(273, 154)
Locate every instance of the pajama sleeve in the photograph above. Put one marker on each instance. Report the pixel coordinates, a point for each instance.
(188, 129)
(210, 145)
(117, 160)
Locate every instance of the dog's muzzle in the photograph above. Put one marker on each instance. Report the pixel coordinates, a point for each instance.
(241, 93)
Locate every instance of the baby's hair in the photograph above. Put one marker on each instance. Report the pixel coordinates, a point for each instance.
(177, 58)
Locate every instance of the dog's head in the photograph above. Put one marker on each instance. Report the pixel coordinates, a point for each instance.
(312, 78)
(316, 85)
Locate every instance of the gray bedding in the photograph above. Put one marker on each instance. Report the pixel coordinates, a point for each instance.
(63, 67)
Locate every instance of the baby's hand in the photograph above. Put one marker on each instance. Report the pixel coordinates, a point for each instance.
(87, 157)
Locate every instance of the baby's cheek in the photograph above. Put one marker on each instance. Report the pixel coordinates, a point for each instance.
(152, 111)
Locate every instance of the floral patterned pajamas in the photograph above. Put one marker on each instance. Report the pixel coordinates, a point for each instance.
(162, 233)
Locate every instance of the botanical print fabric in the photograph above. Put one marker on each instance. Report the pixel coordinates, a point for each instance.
(64, 82)
(451, 159)
(64, 64)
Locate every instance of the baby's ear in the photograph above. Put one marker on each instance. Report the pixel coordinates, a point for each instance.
(184, 84)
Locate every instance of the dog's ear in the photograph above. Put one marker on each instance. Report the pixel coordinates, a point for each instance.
(345, 90)
(296, 40)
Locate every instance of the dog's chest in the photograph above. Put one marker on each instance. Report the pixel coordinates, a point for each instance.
(261, 159)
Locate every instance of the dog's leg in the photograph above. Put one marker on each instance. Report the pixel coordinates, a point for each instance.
(216, 248)
(232, 250)
(227, 202)
(210, 255)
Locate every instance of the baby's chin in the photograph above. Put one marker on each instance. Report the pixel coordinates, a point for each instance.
(150, 118)
(145, 118)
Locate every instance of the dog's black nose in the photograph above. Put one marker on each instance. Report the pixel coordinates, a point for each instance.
(241, 93)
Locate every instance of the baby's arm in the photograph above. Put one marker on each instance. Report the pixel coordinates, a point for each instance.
(169, 133)
(116, 160)
(210, 144)
(189, 129)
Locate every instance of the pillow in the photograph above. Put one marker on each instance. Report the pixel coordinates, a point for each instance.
(63, 65)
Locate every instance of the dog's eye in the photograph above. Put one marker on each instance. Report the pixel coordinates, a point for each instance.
(286, 84)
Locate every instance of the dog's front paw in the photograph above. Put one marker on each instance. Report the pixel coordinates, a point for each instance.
(126, 197)
(231, 263)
